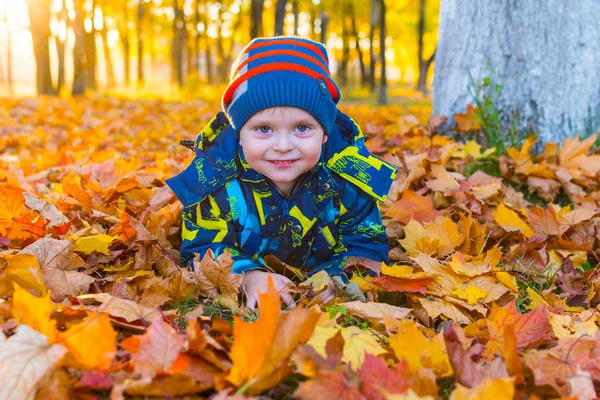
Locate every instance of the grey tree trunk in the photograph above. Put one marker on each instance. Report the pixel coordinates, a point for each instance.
(39, 15)
(279, 17)
(545, 55)
(256, 11)
(383, 84)
(140, 37)
(79, 56)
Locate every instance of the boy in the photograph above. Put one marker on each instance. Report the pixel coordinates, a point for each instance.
(282, 172)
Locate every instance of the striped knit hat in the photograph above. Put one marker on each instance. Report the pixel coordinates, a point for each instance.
(281, 71)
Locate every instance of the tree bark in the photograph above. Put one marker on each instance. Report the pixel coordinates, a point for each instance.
(424, 64)
(60, 46)
(324, 24)
(545, 55)
(110, 72)
(140, 37)
(383, 80)
(207, 49)
(177, 44)
(39, 16)
(361, 61)
(124, 36)
(79, 56)
(343, 70)
(196, 63)
(90, 51)
(9, 74)
(279, 17)
(256, 11)
(372, 59)
(296, 12)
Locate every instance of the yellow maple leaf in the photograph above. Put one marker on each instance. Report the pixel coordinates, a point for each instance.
(25, 271)
(497, 389)
(510, 221)
(357, 343)
(99, 243)
(34, 312)
(419, 351)
(472, 294)
(91, 343)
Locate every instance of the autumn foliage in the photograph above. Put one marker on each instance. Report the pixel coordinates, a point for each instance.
(491, 291)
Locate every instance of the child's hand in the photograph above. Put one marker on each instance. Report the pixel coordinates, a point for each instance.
(256, 282)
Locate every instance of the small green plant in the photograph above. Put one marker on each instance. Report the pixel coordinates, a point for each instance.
(346, 319)
(496, 133)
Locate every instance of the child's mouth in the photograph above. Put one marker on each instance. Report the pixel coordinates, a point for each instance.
(282, 163)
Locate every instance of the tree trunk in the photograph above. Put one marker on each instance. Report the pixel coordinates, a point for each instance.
(424, 65)
(90, 51)
(383, 80)
(39, 15)
(124, 36)
(79, 60)
(140, 37)
(110, 72)
(296, 12)
(207, 49)
(9, 75)
(363, 70)
(177, 44)
(313, 24)
(256, 11)
(324, 23)
(60, 43)
(343, 70)
(545, 56)
(196, 64)
(279, 16)
(372, 59)
(228, 57)
(222, 76)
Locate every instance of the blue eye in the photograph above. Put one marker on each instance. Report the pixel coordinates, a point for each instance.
(302, 128)
(264, 129)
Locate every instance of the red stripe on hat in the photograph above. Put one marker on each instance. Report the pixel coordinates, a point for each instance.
(280, 52)
(300, 43)
(228, 95)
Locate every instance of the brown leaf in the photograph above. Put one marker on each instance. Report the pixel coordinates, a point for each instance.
(215, 275)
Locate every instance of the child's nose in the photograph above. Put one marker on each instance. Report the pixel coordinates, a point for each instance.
(283, 143)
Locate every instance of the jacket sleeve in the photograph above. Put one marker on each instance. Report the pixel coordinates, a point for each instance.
(204, 227)
(361, 232)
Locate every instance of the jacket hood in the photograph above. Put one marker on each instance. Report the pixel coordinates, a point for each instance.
(216, 161)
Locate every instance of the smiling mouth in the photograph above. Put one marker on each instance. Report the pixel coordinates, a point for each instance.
(282, 163)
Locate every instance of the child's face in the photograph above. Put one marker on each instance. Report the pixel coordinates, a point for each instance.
(282, 143)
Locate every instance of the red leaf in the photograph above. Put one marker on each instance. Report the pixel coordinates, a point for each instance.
(377, 378)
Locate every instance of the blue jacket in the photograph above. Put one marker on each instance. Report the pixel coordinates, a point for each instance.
(332, 214)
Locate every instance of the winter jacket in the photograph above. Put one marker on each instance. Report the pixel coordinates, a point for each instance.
(331, 215)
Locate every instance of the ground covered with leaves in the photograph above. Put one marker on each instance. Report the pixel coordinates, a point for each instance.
(491, 292)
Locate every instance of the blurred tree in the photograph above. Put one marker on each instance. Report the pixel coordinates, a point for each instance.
(39, 17)
(324, 24)
(90, 49)
(123, 27)
(140, 38)
(424, 64)
(355, 32)
(110, 72)
(382, 40)
(60, 40)
(207, 45)
(79, 54)
(279, 17)
(372, 57)
(343, 69)
(296, 13)
(256, 12)
(9, 75)
(536, 76)
(178, 43)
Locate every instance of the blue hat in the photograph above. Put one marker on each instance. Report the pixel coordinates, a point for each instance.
(281, 71)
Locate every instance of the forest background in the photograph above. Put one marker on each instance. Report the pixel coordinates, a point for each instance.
(119, 46)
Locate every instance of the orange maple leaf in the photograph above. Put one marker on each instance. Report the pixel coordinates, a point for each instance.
(260, 350)
(412, 206)
(469, 121)
(530, 329)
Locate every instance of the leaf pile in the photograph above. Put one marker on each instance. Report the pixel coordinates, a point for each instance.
(492, 289)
